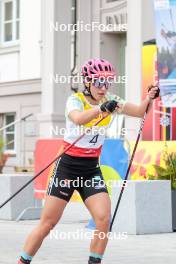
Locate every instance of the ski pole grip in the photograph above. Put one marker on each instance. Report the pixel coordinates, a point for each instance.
(157, 92)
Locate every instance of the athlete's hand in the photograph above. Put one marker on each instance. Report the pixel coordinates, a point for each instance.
(153, 92)
(109, 106)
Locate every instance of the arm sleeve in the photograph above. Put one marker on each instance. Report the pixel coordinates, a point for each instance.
(73, 103)
(121, 102)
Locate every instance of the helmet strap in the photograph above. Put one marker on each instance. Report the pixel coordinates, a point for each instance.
(87, 91)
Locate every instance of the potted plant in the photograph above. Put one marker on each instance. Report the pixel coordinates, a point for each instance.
(3, 156)
(167, 172)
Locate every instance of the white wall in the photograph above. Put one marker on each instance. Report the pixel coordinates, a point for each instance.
(24, 99)
(148, 20)
(56, 61)
(9, 67)
(30, 37)
(22, 61)
(133, 62)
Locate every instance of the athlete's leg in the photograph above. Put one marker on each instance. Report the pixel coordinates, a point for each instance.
(99, 206)
(51, 214)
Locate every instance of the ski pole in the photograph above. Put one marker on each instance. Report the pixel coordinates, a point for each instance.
(16, 121)
(132, 156)
(40, 172)
(129, 167)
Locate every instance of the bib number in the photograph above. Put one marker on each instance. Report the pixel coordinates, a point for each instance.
(94, 139)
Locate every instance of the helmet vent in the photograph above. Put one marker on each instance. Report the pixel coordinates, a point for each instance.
(100, 67)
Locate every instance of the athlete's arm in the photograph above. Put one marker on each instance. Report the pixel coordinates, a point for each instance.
(139, 110)
(136, 110)
(82, 118)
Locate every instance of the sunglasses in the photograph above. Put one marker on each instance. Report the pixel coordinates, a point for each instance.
(98, 83)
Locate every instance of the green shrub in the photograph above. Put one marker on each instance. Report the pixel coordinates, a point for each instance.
(168, 171)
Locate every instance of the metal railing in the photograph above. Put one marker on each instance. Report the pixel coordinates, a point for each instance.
(37, 204)
(16, 121)
(4, 128)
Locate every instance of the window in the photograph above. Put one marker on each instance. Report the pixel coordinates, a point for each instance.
(9, 132)
(10, 22)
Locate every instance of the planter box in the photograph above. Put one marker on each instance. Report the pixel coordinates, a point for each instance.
(9, 184)
(145, 207)
(174, 210)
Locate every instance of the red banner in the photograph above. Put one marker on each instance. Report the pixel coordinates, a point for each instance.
(46, 151)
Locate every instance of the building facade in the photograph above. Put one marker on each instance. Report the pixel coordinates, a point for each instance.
(36, 50)
(20, 77)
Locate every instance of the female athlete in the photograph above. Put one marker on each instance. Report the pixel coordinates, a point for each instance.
(83, 110)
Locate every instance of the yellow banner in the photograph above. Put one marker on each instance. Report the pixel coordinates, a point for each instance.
(149, 153)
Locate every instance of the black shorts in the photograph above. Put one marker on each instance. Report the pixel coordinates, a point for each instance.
(76, 173)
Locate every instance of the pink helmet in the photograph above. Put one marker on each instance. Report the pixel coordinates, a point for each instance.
(95, 68)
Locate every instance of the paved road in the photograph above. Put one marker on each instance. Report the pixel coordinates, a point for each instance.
(61, 248)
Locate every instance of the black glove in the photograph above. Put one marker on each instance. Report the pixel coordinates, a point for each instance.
(109, 106)
(157, 92)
